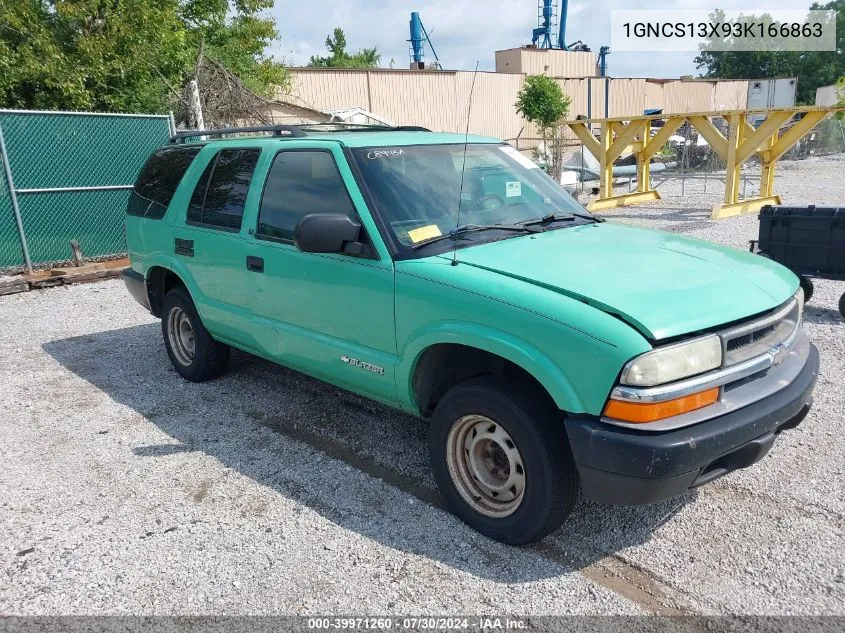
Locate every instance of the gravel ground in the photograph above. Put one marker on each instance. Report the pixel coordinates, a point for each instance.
(127, 490)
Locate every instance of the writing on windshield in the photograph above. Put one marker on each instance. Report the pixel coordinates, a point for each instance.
(419, 187)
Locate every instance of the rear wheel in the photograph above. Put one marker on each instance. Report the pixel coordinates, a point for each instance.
(842, 305)
(194, 354)
(502, 461)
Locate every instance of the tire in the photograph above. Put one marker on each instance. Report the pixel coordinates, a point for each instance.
(842, 305)
(195, 355)
(807, 286)
(472, 426)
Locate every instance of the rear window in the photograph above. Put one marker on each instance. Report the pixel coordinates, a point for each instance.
(220, 195)
(158, 181)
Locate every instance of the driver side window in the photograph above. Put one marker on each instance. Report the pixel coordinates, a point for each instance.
(300, 182)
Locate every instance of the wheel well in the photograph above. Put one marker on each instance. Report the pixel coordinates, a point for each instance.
(445, 365)
(160, 281)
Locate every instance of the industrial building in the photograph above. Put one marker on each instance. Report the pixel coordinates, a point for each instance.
(439, 99)
(427, 95)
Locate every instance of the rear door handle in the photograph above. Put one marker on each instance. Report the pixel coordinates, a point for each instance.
(255, 264)
(184, 247)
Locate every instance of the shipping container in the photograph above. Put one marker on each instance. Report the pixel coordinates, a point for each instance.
(770, 93)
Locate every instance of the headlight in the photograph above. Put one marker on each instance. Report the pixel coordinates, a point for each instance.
(673, 362)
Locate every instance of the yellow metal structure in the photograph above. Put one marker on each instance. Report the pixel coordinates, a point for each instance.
(770, 140)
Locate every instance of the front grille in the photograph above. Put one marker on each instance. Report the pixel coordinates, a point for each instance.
(747, 339)
(759, 336)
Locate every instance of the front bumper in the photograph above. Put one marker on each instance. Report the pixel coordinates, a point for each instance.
(625, 466)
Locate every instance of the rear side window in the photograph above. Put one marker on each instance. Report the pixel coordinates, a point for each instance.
(220, 194)
(300, 183)
(158, 181)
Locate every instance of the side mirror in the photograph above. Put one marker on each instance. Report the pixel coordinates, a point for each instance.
(328, 233)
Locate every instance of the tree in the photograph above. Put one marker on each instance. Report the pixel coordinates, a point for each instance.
(542, 102)
(339, 58)
(122, 56)
(822, 68)
(813, 68)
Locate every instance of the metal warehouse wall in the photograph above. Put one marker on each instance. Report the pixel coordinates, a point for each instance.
(730, 95)
(438, 99)
(493, 102)
(426, 99)
(555, 63)
(687, 96)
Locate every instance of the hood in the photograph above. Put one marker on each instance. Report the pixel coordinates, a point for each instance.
(663, 284)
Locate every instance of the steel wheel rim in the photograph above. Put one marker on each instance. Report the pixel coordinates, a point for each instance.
(486, 466)
(181, 335)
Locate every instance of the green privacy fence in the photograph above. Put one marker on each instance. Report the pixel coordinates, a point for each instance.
(72, 172)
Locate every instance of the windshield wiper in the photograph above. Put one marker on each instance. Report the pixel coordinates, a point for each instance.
(549, 218)
(559, 217)
(462, 230)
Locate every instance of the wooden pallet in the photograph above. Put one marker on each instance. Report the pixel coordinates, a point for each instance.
(62, 276)
(12, 285)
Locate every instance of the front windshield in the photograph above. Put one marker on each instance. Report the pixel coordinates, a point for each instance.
(417, 188)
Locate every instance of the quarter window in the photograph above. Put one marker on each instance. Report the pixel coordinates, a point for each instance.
(220, 194)
(300, 183)
(158, 181)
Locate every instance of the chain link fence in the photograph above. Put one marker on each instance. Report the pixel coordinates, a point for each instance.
(827, 138)
(71, 173)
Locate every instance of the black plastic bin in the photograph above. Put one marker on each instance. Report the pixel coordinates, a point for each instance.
(810, 241)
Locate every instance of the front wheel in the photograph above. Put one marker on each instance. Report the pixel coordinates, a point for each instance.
(842, 305)
(195, 355)
(502, 461)
(807, 286)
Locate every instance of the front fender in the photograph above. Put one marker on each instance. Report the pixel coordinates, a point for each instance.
(498, 342)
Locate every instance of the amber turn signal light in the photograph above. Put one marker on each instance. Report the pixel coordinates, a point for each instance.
(642, 412)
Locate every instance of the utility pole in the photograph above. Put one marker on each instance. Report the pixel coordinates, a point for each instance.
(195, 105)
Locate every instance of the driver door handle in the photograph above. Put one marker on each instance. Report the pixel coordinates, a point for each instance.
(255, 264)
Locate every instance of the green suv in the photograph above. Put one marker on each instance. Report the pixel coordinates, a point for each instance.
(449, 277)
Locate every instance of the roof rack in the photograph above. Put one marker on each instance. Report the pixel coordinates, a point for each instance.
(277, 130)
(364, 127)
(295, 131)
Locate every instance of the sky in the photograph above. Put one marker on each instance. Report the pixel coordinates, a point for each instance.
(465, 31)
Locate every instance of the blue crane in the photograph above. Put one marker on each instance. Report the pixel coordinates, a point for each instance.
(544, 35)
(419, 37)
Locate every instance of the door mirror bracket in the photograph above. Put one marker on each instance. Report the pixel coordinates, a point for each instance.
(358, 249)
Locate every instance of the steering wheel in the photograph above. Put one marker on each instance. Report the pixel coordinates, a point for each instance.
(485, 198)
